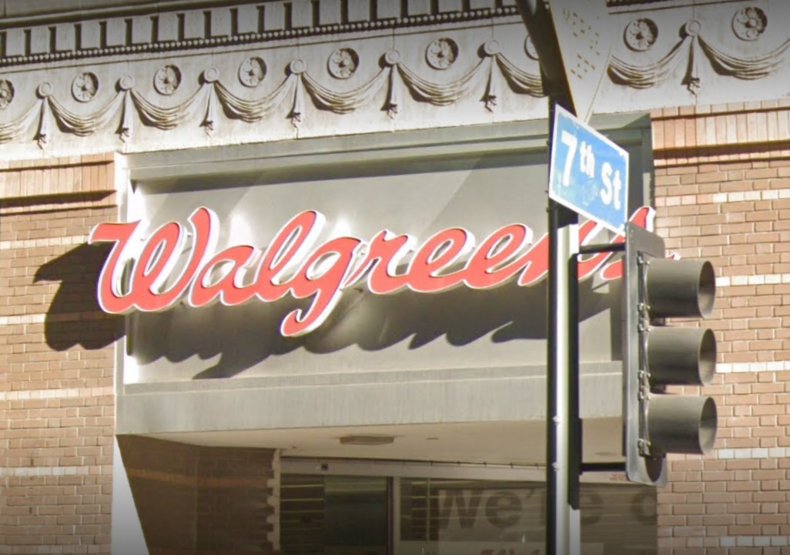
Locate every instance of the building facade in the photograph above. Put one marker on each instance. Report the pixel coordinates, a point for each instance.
(263, 407)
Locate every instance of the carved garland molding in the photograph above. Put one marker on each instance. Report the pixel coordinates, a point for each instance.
(493, 72)
(691, 48)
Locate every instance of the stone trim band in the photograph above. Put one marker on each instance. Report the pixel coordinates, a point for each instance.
(493, 73)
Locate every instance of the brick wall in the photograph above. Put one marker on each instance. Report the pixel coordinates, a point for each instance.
(723, 193)
(206, 500)
(237, 500)
(57, 420)
(56, 358)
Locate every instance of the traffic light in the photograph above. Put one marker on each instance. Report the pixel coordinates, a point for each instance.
(657, 355)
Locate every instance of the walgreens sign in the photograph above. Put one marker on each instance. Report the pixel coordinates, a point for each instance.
(180, 263)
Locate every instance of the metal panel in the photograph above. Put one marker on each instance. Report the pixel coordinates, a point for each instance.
(464, 355)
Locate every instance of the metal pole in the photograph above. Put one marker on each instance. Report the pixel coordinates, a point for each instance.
(394, 520)
(562, 431)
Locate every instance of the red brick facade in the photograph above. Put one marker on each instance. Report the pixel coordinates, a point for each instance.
(56, 358)
(57, 400)
(722, 190)
(723, 193)
(201, 499)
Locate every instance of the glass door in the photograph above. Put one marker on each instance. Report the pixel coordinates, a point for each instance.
(334, 515)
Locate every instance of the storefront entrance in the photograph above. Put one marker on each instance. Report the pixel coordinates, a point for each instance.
(470, 511)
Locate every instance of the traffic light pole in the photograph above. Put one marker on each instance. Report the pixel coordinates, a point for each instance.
(563, 425)
(563, 428)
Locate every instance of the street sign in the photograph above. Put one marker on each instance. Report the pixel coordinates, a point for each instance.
(588, 173)
(584, 43)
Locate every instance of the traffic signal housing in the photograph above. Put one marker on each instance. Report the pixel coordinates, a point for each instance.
(657, 355)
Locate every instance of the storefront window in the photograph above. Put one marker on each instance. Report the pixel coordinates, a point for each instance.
(470, 516)
(334, 515)
(476, 517)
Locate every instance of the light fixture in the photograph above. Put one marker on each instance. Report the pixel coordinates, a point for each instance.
(366, 439)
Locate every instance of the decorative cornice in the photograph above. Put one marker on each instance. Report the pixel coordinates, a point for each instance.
(65, 41)
(14, 13)
(657, 59)
(653, 5)
(212, 99)
(694, 45)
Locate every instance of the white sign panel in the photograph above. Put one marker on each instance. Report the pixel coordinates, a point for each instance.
(588, 172)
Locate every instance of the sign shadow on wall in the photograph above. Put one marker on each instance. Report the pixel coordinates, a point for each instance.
(74, 316)
(244, 336)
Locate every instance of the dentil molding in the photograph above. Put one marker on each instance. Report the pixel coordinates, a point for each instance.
(229, 24)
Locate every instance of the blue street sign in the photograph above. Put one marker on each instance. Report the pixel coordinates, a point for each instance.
(588, 173)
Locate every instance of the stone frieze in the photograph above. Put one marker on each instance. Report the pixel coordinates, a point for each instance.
(212, 100)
